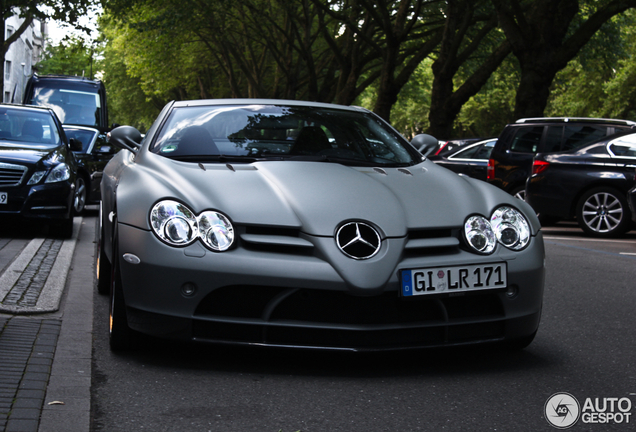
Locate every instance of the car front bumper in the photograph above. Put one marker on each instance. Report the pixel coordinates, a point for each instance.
(44, 201)
(271, 298)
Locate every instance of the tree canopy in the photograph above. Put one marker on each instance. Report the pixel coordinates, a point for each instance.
(68, 11)
(450, 67)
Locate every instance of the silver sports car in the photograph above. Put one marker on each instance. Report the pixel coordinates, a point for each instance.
(308, 225)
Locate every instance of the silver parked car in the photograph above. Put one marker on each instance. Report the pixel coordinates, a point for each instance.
(298, 224)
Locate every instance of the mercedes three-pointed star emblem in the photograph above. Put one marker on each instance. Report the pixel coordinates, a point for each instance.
(358, 240)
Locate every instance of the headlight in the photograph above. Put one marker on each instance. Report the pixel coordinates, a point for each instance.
(479, 234)
(215, 230)
(510, 227)
(60, 173)
(506, 226)
(174, 223)
(177, 225)
(36, 177)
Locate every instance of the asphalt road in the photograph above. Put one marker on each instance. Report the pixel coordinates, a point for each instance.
(586, 347)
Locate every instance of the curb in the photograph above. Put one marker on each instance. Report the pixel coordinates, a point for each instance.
(51, 294)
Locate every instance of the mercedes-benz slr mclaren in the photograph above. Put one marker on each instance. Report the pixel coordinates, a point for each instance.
(308, 225)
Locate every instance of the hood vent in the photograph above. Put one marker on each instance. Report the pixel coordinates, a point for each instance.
(379, 170)
(405, 171)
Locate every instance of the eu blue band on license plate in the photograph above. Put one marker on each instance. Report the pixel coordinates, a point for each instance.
(436, 280)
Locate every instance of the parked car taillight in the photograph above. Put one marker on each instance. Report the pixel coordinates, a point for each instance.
(539, 166)
(441, 148)
(490, 171)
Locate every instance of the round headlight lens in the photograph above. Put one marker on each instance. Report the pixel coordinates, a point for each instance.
(216, 231)
(60, 173)
(174, 223)
(510, 227)
(479, 234)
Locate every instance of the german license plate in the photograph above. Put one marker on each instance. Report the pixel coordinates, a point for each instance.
(451, 279)
(4, 197)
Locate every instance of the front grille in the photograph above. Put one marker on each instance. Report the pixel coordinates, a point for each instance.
(427, 242)
(306, 317)
(11, 175)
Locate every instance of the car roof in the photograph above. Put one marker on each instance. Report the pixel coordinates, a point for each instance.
(575, 120)
(211, 102)
(64, 78)
(28, 107)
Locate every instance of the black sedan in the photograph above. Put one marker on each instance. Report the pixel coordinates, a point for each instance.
(589, 184)
(91, 160)
(37, 167)
(469, 159)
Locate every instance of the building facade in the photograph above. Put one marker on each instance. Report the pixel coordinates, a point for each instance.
(21, 56)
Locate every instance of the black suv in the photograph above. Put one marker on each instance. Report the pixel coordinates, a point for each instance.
(76, 100)
(510, 162)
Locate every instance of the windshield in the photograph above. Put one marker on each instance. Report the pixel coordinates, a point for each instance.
(28, 128)
(79, 106)
(281, 132)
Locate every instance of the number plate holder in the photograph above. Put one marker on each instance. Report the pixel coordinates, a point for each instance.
(453, 279)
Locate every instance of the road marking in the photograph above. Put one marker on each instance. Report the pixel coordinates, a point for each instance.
(627, 253)
(588, 239)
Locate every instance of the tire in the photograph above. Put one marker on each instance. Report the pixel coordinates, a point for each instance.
(603, 212)
(64, 229)
(519, 193)
(102, 269)
(79, 196)
(120, 335)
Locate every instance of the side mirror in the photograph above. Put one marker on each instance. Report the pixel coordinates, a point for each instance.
(424, 143)
(75, 144)
(125, 137)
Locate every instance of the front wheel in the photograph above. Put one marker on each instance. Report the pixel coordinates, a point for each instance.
(79, 196)
(603, 212)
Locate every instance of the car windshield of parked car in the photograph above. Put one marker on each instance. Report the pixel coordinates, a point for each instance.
(72, 105)
(268, 132)
(82, 135)
(28, 128)
(624, 146)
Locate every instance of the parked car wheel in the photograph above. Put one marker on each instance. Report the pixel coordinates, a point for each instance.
(120, 334)
(519, 193)
(603, 212)
(79, 198)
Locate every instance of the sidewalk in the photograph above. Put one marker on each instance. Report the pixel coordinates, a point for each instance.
(46, 319)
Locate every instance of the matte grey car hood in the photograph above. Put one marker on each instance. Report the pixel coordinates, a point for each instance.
(313, 196)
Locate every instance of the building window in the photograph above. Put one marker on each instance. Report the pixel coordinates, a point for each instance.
(9, 32)
(7, 96)
(7, 70)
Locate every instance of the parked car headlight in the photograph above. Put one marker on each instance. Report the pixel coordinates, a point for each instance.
(173, 223)
(36, 177)
(215, 230)
(60, 173)
(510, 227)
(177, 225)
(479, 234)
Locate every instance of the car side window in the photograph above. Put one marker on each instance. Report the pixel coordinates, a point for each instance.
(576, 136)
(553, 139)
(527, 140)
(468, 153)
